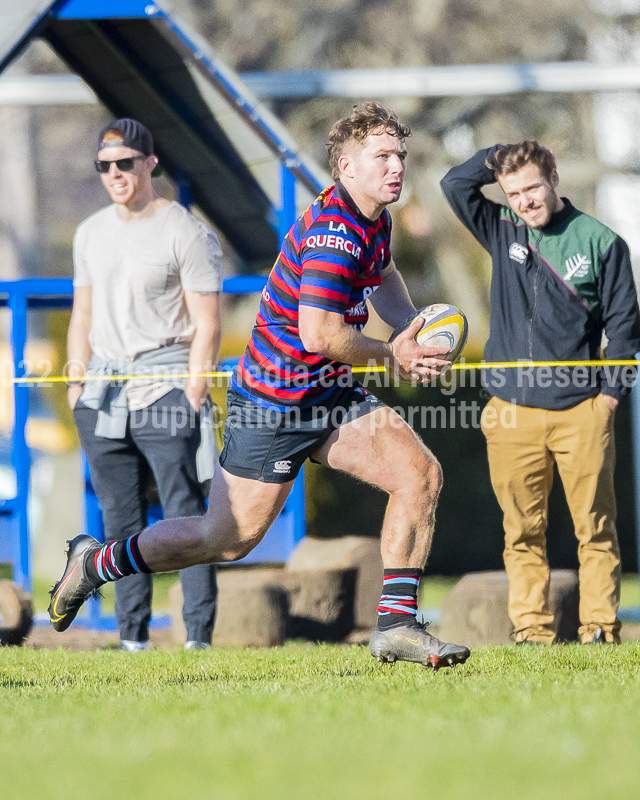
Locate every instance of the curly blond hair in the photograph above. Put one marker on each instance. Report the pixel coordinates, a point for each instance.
(364, 119)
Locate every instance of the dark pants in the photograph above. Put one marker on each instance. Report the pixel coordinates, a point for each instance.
(158, 443)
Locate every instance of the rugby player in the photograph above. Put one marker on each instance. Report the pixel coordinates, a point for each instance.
(293, 397)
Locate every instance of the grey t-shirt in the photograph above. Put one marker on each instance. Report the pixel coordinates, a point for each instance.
(138, 273)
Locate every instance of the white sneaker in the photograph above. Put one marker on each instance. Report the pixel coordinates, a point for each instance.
(133, 647)
(194, 645)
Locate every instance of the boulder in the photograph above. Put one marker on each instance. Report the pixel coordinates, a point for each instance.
(16, 614)
(321, 603)
(359, 552)
(475, 612)
(252, 609)
(260, 607)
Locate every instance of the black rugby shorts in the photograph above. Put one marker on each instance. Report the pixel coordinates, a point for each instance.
(271, 446)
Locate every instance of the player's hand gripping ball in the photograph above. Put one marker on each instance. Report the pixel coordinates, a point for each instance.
(444, 327)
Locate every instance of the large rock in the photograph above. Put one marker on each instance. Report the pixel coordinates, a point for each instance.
(260, 607)
(359, 552)
(252, 609)
(16, 613)
(475, 612)
(321, 603)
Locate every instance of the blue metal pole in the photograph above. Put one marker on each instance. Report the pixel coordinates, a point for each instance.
(286, 218)
(287, 215)
(20, 457)
(185, 198)
(57, 293)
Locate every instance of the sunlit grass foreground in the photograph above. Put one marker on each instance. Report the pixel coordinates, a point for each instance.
(320, 722)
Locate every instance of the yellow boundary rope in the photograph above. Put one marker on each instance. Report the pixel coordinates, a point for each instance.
(45, 379)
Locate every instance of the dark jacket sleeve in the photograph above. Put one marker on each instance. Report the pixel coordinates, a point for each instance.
(620, 316)
(462, 185)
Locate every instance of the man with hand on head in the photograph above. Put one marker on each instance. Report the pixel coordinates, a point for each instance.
(147, 285)
(560, 280)
(293, 397)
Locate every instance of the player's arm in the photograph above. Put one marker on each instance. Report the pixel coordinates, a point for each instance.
(78, 347)
(325, 333)
(462, 187)
(204, 311)
(391, 301)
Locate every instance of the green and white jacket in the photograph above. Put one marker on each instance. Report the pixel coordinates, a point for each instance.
(554, 291)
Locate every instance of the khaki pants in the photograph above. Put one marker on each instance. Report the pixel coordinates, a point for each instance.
(522, 445)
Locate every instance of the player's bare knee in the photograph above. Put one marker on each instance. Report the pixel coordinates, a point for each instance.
(424, 482)
(240, 548)
(216, 536)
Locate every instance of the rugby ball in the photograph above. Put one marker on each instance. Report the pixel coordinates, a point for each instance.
(443, 326)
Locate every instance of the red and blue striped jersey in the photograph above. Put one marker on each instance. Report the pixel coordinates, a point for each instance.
(332, 259)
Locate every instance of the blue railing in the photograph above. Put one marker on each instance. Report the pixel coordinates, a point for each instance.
(49, 293)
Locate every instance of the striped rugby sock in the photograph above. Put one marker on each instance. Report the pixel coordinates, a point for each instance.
(115, 560)
(399, 601)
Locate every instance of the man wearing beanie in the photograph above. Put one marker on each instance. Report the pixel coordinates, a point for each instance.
(147, 282)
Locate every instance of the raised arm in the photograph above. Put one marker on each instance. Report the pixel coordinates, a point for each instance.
(462, 187)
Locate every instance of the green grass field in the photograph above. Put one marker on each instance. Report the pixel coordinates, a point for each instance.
(319, 722)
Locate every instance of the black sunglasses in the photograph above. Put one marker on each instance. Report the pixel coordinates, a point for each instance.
(123, 164)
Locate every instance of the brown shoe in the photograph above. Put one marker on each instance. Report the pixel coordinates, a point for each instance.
(535, 636)
(600, 636)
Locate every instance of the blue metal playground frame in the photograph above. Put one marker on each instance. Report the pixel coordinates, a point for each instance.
(160, 103)
(22, 295)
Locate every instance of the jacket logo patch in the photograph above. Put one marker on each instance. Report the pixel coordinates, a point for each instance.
(577, 267)
(518, 252)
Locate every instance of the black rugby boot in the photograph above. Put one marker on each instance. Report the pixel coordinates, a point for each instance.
(75, 586)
